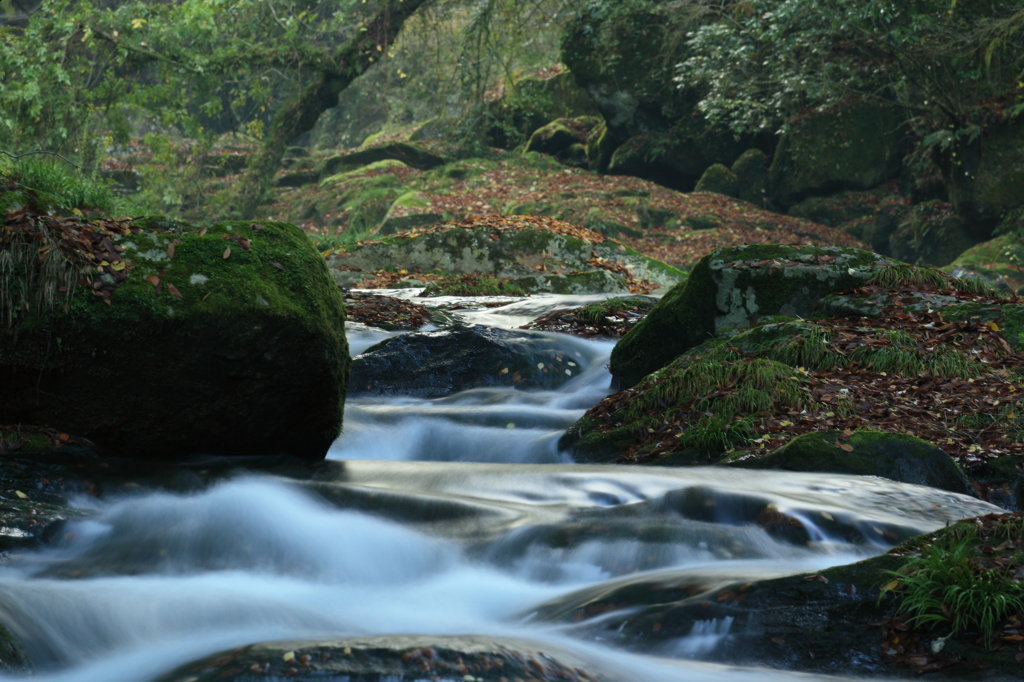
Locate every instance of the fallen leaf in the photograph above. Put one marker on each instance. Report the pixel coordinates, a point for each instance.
(202, 232)
(277, 265)
(173, 290)
(21, 494)
(227, 253)
(153, 279)
(170, 250)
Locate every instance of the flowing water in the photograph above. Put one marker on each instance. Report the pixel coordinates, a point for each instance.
(455, 516)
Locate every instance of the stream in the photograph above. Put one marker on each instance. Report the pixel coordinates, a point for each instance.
(448, 517)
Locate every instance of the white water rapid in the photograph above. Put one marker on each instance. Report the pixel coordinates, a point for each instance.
(434, 517)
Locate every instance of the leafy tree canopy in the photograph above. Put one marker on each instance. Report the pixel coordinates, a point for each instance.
(759, 63)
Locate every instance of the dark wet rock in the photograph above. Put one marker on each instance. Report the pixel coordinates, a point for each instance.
(610, 318)
(39, 468)
(834, 621)
(897, 456)
(751, 171)
(434, 364)
(392, 659)
(191, 337)
(733, 287)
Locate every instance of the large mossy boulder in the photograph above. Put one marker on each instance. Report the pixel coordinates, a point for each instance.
(897, 456)
(531, 102)
(733, 287)
(999, 263)
(409, 153)
(718, 179)
(624, 55)
(566, 139)
(504, 247)
(922, 354)
(440, 363)
(158, 339)
(855, 147)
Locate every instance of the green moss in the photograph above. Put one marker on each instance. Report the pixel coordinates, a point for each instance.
(718, 179)
(224, 298)
(733, 287)
(364, 171)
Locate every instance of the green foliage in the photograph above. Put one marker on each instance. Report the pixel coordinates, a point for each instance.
(763, 62)
(62, 184)
(947, 584)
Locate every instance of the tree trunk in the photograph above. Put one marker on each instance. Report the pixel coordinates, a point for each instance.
(299, 116)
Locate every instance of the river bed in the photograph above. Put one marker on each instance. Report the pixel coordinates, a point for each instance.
(448, 517)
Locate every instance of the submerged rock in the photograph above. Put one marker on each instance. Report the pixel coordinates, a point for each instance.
(435, 364)
(165, 339)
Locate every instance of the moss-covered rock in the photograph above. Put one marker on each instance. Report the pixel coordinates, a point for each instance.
(930, 234)
(858, 146)
(531, 102)
(835, 209)
(574, 283)
(412, 209)
(998, 262)
(226, 340)
(734, 287)
(603, 222)
(624, 54)
(515, 246)
(898, 456)
(558, 137)
(408, 153)
(663, 158)
(718, 179)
